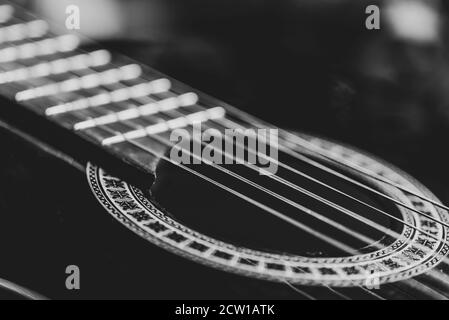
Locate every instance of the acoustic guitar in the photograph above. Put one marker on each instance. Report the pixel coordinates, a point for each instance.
(88, 180)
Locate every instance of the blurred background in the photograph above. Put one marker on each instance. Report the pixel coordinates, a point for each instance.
(306, 65)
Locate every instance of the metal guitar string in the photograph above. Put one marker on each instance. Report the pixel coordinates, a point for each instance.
(268, 209)
(315, 215)
(258, 204)
(257, 122)
(308, 211)
(317, 152)
(308, 177)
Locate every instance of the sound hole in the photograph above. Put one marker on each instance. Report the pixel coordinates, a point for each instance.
(217, 213)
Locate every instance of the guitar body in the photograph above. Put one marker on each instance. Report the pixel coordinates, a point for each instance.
(88, 181)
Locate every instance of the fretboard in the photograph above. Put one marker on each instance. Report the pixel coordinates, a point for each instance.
(104, 98)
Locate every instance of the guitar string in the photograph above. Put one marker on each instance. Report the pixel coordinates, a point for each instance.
(238, 194)
(315, 164)
(340, 175)
(417, 229)
(334, 206)
(254, 121)
(359, 236)
(370, 173)
(291, 185)
(396, 235)
(333, 223)
(266, 208)
(369, 241)
(302, 292)
(384, 230)
(294, 288)
(339, 294)
(303, 158)
(316, 197)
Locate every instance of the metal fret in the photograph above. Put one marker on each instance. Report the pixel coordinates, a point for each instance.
(87, 98)
(122, 94)
(184, 100)
(58, 66)
(202, 116)
(94, 79)
(46, 47)
(6, 12)
(88, 81)
(22, 31)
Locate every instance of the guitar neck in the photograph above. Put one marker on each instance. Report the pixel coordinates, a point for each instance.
(104, 98)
